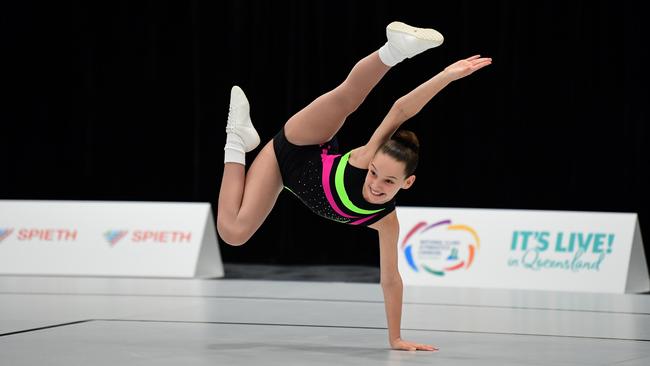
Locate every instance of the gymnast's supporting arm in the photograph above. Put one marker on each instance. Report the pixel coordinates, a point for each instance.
(388, 228)
(391, 284)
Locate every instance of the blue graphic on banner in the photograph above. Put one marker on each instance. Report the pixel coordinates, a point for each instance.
(5, 232)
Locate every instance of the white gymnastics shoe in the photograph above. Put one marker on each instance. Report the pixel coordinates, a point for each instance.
(239, 120)
(405, 41)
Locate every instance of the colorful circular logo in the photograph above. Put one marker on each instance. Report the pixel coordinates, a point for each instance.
(440, 247)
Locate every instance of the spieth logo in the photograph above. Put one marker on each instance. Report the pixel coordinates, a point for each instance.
(4, 234)
(440, 247)
(113, 236)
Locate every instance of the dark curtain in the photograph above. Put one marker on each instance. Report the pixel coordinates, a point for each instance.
(127, 100)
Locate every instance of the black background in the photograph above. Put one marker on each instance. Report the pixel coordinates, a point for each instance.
(127, 100)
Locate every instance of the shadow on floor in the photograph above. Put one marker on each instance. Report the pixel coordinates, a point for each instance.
(330, 273)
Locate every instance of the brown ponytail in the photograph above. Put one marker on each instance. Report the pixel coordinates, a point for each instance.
(403, 146)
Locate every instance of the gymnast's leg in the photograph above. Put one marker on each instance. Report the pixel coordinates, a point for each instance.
(245, 198)
(321, 119)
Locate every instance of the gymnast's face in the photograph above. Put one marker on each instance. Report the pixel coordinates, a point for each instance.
(385, 178)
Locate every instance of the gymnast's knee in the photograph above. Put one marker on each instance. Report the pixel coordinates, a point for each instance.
(232, 233)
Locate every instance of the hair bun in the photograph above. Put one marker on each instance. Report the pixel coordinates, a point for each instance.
(408, 139)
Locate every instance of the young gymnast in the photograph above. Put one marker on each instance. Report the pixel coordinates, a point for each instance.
(357, 187)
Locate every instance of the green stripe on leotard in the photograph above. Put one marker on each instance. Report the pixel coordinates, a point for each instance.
(340, 188)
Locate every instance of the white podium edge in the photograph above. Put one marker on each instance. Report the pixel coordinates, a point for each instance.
(637, 275)
(209, 264)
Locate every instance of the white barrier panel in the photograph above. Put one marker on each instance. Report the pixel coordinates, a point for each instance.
(522, 249)
(141, 239)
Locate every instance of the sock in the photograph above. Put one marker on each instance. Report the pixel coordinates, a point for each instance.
(390, 55)
(234, 150)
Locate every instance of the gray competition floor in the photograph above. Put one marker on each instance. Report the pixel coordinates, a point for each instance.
(122, 321)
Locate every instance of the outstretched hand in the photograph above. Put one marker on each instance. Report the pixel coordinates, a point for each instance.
(403, 345)
(462, 68)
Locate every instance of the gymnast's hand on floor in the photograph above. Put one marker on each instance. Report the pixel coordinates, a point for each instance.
(410, 346)
(465, 67)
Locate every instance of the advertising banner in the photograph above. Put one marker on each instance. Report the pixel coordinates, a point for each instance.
(522, 249)
(141, 239)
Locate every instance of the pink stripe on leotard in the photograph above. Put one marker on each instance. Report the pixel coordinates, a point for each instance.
(328, 161)
(358, 222)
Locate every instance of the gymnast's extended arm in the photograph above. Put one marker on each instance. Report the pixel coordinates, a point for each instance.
(409, 105)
